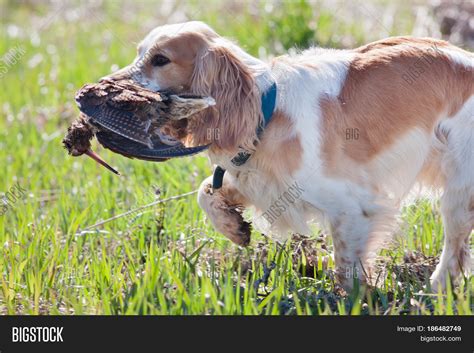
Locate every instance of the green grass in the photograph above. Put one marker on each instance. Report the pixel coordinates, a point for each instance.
(167, 260)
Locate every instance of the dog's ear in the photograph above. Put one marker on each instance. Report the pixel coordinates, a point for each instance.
(219, 73)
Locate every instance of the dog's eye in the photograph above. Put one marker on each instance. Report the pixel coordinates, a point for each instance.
(159, 60)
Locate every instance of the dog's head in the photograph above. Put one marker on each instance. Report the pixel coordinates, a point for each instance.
(192, 58)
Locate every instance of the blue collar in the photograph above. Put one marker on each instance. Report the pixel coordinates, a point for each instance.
(268, 108)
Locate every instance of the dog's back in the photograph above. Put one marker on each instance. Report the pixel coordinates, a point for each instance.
(404, 113)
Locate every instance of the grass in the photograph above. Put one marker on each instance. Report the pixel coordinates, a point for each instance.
(167, 259)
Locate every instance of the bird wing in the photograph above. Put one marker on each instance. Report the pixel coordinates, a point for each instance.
(131, 149)
(122, 122)
(129, 118)
(121, 110)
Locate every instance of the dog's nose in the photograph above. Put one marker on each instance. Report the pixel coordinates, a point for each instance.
(124, 73)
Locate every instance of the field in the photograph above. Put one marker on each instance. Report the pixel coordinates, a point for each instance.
(166, 259)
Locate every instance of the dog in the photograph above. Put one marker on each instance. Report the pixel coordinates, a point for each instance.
(339, 137)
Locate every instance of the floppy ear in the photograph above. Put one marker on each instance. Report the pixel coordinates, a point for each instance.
(232, 123)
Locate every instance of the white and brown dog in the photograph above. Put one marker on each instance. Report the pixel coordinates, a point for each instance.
(350, 133)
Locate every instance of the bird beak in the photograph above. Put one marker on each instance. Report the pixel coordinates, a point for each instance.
(99, 160)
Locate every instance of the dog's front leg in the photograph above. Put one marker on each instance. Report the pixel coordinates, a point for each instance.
(356, 243)
(224, 208)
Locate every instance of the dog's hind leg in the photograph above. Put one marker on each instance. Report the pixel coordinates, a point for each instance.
(224, 208)
(457, 207)
(457, 202)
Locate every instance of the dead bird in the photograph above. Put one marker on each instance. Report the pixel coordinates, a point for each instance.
(134, 112)
(133, 121)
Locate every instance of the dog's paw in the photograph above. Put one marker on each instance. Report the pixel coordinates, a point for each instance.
(227, 218)
(238, 229)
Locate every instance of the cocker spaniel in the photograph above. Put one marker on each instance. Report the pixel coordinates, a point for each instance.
(335, 136)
